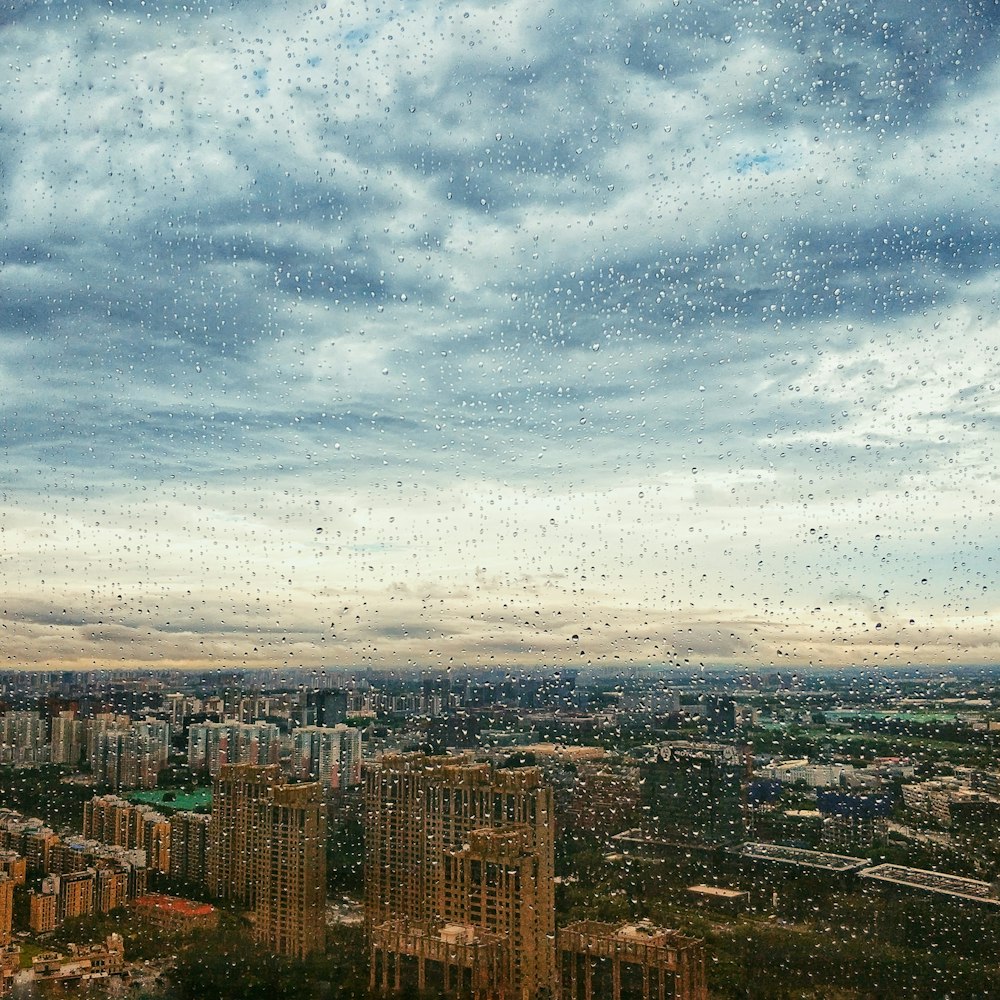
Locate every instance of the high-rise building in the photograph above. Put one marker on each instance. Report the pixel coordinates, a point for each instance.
(130, 757)
(603, 799)
(450, 840)
(113, 820)
(110, 820)
(694, 792)
(236, 830)
(214, 744)
(14, 867)
(189, 846)
(6, 908)
(42, 907)
(110, 887)
(331, 756)
(67, 744)
(289, 916)
(74, 893)
(23, 739)
(322, 708)
(720, 713)
(267, 852)
(496, 883)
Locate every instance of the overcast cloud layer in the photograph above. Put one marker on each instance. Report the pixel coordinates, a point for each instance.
(432, 333)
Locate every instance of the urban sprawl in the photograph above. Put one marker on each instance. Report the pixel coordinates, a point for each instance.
(500, 835)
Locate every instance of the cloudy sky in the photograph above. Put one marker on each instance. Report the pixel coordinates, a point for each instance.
(459, 333)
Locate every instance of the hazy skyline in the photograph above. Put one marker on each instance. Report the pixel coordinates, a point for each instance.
(457, 333)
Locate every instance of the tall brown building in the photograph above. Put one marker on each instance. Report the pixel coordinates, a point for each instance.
(236, 830)
(455, 842)
(496, 884)
(43, 911)
(289, 917)
(267, 852)
(6, 908)
(189, 846)
(14, 866)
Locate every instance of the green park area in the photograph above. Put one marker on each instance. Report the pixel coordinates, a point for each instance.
(175, 800)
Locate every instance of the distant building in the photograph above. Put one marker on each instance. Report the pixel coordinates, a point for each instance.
(132, 757)
(329, 755)
(14, 866)
(42, 908)
(603, 799)
(650, 699)
(6, 909)
(74, 893)
(110, 819)
(211, 745)
(23, 739)
(83, 964)
(720, 714)
(719, 898)
(110, 887)
(10, 966)
(695, 792)
(938, 885)
(323, 708)
(189, 846)
(113, 820)
(852, 820)
(67, 744)
(775, 861)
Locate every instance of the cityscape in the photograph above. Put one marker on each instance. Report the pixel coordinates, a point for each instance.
(498, 835)
(499, 501)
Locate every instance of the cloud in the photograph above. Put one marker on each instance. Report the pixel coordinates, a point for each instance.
(682, 308)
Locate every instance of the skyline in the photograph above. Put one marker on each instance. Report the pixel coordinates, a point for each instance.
(441, 334)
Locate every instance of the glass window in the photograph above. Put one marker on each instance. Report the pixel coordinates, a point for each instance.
(602, 397)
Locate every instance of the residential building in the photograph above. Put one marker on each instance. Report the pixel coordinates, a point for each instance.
(212, 745)
(189, 846)
(7, 885)
(289, 915)
(267, 852)
(236, 830)
(329, 755)
(448, 840)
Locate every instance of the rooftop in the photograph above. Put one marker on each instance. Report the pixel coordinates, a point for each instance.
(175, 905)
(716, 891)
(936, 882)
(801, 858)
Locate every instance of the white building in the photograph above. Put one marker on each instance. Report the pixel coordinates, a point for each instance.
(330, 755)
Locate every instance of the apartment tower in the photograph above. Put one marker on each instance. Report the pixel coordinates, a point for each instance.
(267, 852)
(449, 841)
(236, 830)
(291, 884)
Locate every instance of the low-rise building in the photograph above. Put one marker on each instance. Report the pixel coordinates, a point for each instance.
(83, 963)
(14, 866)
(42, 909)
(174, 915)
(629, 961)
